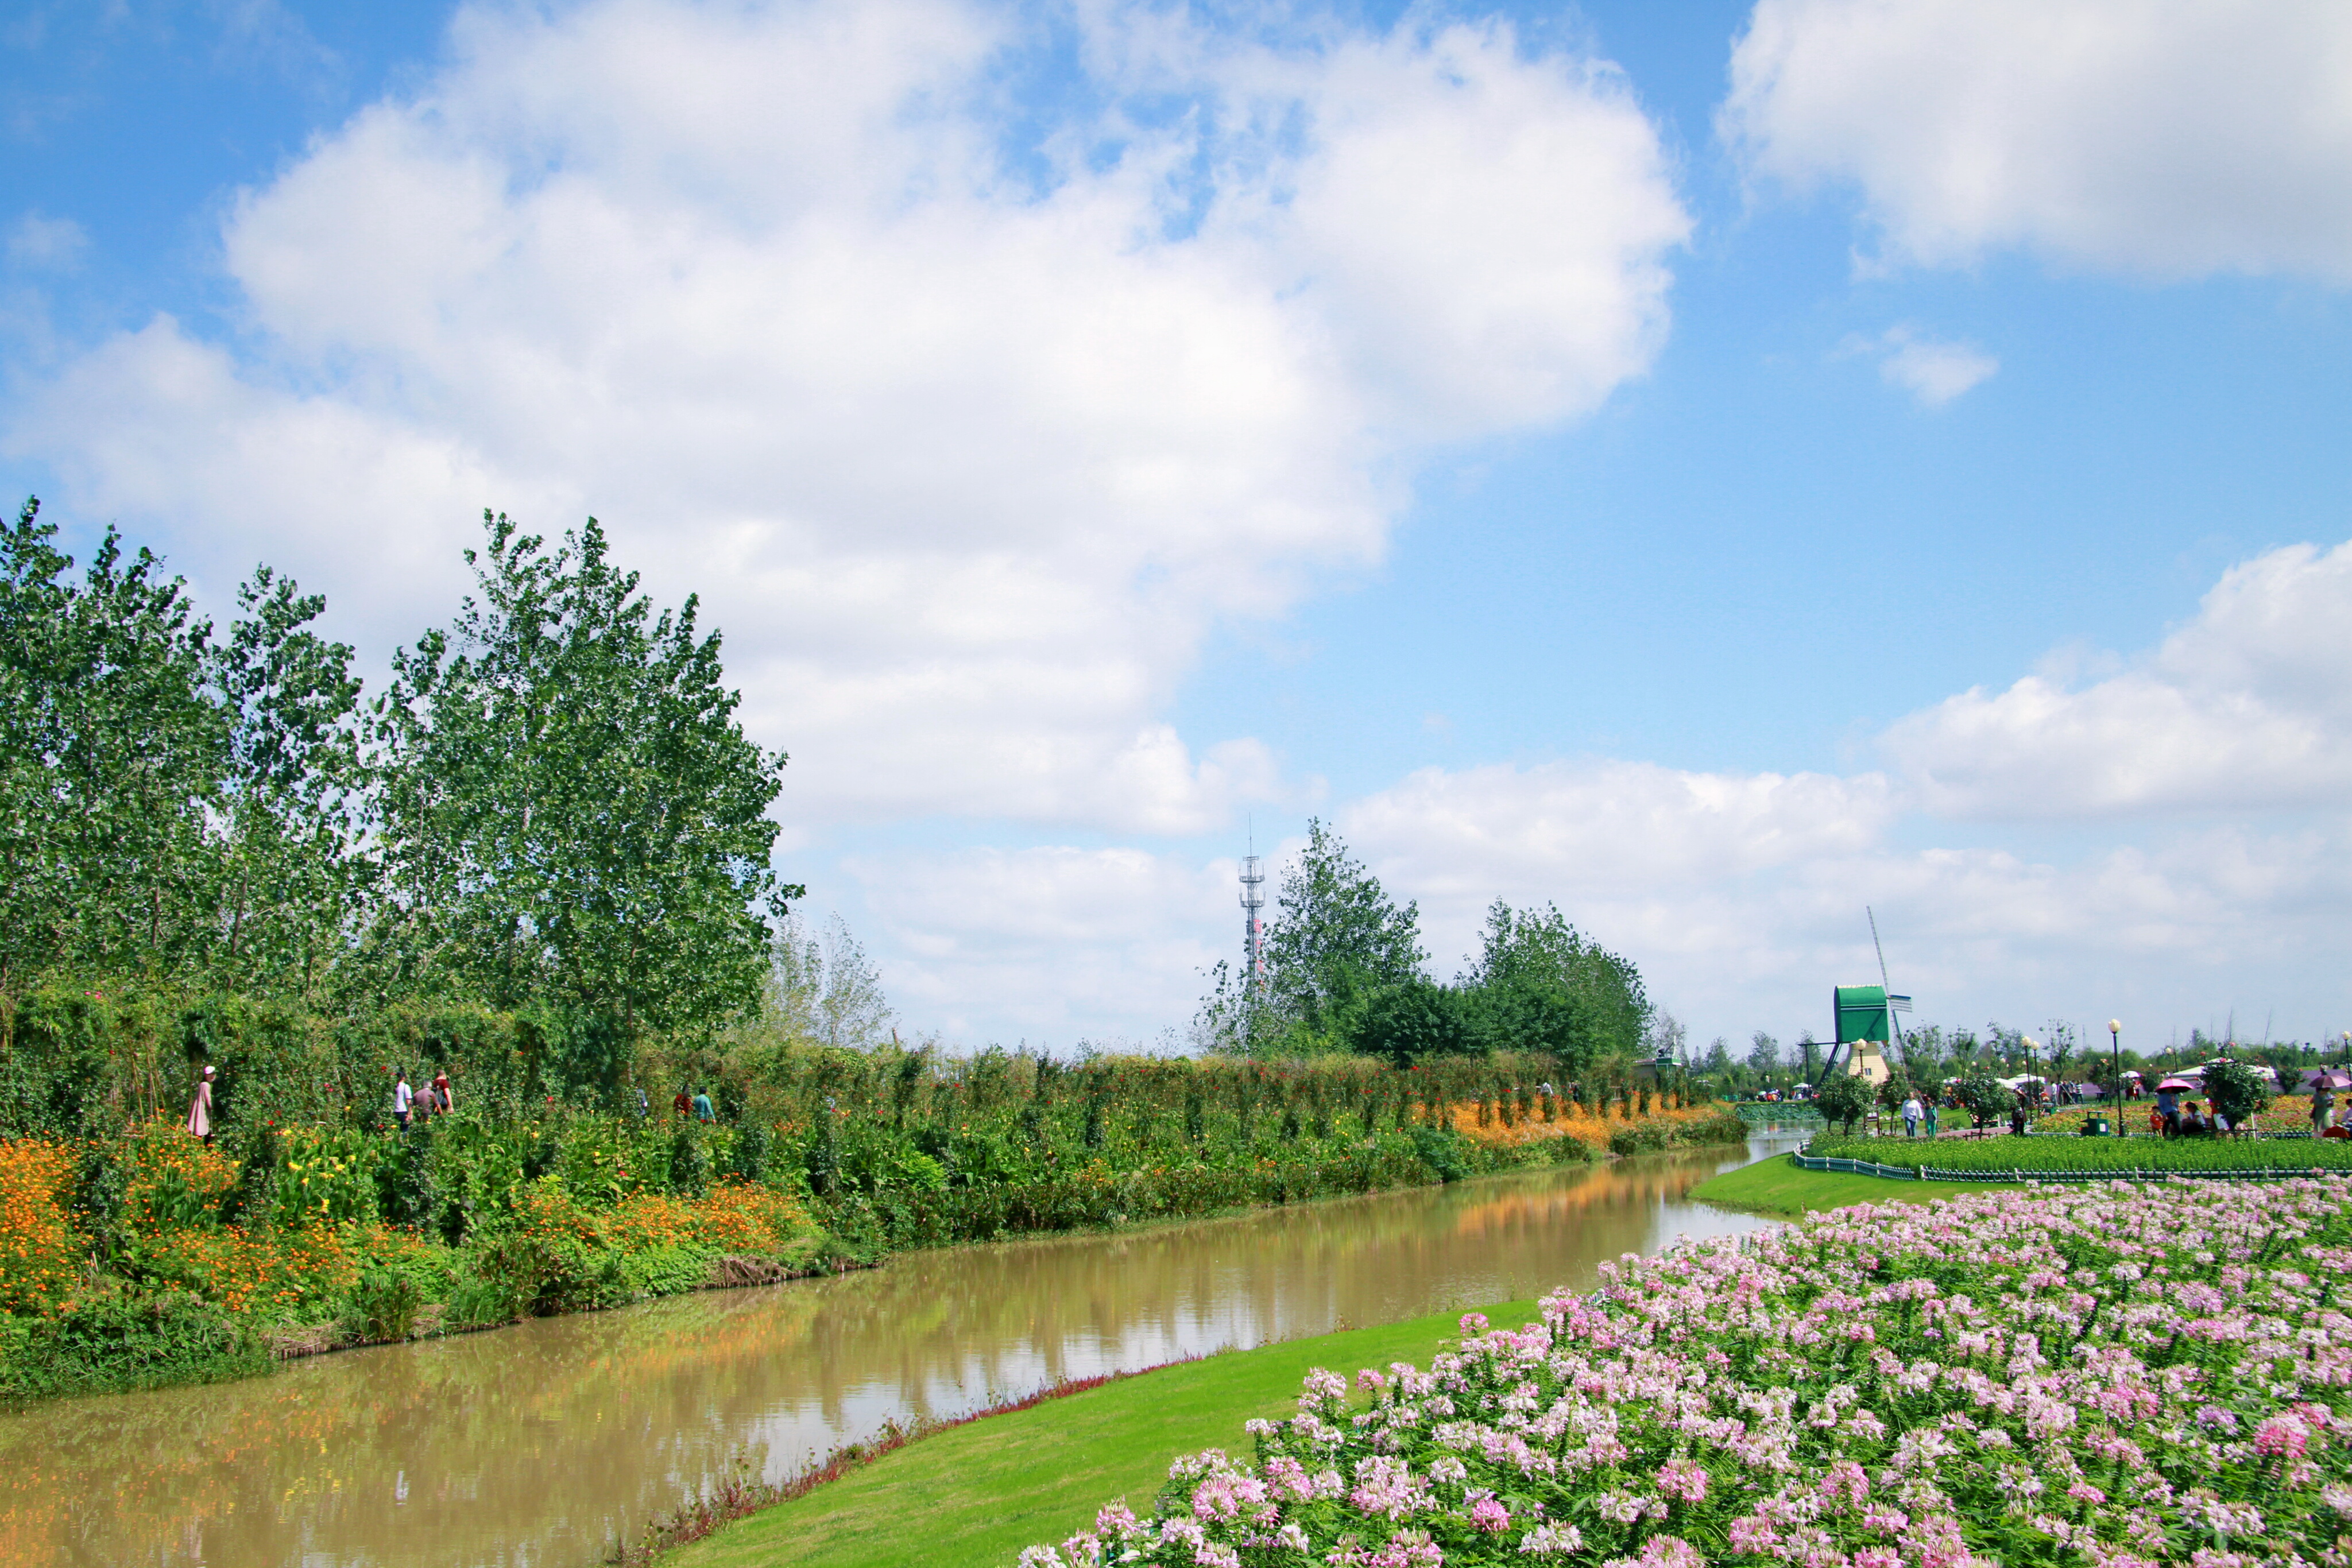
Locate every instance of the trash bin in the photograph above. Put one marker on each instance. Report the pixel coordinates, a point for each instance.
(2095, 1127)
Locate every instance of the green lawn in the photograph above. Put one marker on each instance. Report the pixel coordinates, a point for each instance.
(1777, 1187)
(976, 1495)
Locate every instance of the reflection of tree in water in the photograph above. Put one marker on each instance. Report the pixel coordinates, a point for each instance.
(532, 1444)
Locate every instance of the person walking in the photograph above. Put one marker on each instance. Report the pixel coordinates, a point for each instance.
(402, 1097)
(200, 1109)
(441, 1091)
(1911, 1114)
(2323, 1101)
(2168, 1110)
(702, 1111)
(1934, 1100)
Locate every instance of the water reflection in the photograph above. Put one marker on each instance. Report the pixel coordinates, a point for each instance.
(531, 1445)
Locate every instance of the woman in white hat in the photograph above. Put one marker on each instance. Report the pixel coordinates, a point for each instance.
(200, 1109)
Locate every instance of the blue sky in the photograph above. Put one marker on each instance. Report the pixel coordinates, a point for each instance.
(1713, 467)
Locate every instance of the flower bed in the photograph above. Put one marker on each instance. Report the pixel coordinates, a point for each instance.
(1604, 1130)
(40, 1254)
(2123, 1377)
(2042, 1152)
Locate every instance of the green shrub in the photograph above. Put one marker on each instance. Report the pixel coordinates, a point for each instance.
(325, 1177)
(1844, 1100)
(107, 1342)
(1444, 1151)
(2236, 1091)
(383, 1305)
(667, 1270)
(477, 1302)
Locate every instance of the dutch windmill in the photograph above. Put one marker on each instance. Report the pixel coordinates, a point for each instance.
(1866, 1019)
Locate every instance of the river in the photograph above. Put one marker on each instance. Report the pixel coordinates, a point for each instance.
(531, 1447)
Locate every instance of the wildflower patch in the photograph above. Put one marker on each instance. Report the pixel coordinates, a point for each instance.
(2123, 1377)
(40, 1254)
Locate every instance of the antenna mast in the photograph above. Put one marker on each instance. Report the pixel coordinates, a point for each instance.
(1254, 900)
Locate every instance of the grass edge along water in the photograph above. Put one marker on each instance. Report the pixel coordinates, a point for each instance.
(979, 1493)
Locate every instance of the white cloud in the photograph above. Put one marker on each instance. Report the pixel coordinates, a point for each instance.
(46, 244)
(965, 457)
(1050, 943)
(1741, 897)
(2247, 708)
(2170, 139)
(1930, 369)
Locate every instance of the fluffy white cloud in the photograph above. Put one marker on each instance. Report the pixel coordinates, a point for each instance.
(1932, 370)
(967, 432)
(2247, 708)
(1050, 944)
(2172, 140)
(1742, 897)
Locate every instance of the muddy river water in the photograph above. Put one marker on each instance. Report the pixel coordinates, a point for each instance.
(534, 1446)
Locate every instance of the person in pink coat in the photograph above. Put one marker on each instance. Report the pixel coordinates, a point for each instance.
(200, 1109)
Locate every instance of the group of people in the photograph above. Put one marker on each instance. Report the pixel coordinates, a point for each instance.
(2177, 1118)
(412, 1107)
(1915, 1112)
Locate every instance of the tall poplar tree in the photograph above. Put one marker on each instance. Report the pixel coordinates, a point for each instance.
(566, 807)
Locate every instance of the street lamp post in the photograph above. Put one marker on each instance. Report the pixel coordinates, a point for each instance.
(2115, 1069)
(2032, 1080)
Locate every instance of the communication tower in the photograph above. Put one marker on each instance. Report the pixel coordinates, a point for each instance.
(1253, 928)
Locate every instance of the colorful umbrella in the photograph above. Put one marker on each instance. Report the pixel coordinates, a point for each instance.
(2176, 1084)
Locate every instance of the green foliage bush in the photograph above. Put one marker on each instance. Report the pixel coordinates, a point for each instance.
(1844, 1100)
(385, 1304)
(110, 1342)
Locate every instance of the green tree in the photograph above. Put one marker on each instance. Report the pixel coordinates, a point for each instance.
(567, 808)
(1336, 936)
(288, 878)
(828, 991)
(1845, 1099)
(1412, 1021)
(111, 762)
(1539, 985)
(2236, 1090)
(1980, 1095)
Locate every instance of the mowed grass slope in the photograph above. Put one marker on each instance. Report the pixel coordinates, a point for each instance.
(972, 1497)
(1779, 1186)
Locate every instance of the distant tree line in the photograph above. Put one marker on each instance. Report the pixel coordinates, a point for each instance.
(1345, 972)
(550, 804)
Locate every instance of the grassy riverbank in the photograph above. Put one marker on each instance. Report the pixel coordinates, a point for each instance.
(976, 1495)
(133, 1255)
(1779, 1187)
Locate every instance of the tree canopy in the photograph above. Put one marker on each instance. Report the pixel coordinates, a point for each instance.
(567, 807)
(1345, 972)
(552, 804)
